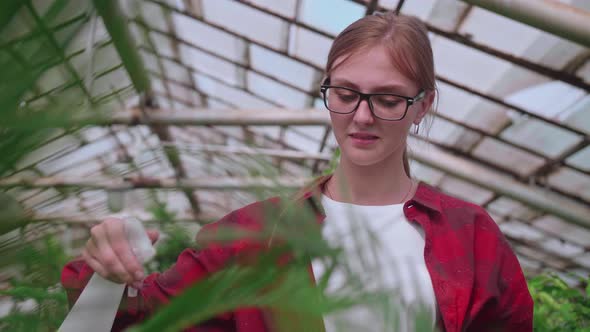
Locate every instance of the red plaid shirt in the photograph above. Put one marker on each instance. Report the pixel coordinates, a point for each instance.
(477, 280)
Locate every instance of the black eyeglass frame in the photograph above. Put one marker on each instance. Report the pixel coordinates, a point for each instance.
(367, 96)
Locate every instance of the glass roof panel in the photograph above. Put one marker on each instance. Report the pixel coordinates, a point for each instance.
(507, 207)
(234, 96)
(321, 14)
(450, 134)
(560, 96)
(521, 35)
(44, 195)
(54, 77)
(389, 4)
(309, 46)
(522, 231)
(561, 248)
(570, 181)
(516, 79)
(507, 157)
(581, 159)
(164, 43)
(176, 72)
(283, 7)
(470, 109)
(562, 229)
(545, 138)
(150, 60)
(301, 142)
(272, 132)
(84, 169)
(476, 69)
(217, 41)
(153, 15)
(247, 21)
(80, 41)
(557, 52)
(318, 103)
(110, 82)
(71, 10)
(49, 150)
(584, 72)
(579, 117)
(158, 85)
(528, 264)
(583, 260)
(104, 58)
(427, 174)
(447, 13)
(213, 103)
(282, 67)
(280, 93)
(209, 64)
(179, 105)
(184, 94)
(421, 9)
(466, 190)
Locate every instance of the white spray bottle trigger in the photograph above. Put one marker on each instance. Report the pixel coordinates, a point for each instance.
(140, 243)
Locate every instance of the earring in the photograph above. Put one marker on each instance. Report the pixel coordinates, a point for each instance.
(416, 129)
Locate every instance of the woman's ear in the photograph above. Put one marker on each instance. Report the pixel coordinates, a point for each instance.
(424, 106)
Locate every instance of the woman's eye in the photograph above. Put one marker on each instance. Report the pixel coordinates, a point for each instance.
(389, 102)
(347, 97)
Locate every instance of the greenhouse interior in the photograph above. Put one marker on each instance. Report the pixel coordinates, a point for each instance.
(177, 112)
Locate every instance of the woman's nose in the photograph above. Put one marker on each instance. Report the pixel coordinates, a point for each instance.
(363, 113)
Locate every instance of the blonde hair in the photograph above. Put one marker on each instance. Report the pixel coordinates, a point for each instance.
(405, 38)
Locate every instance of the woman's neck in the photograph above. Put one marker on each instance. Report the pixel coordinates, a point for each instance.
(370, 185)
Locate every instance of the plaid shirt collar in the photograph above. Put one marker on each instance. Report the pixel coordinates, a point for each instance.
(426, 196)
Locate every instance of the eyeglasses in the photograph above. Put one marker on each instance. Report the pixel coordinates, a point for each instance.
(385, 106)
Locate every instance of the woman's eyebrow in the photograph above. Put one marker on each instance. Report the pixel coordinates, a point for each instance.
(386, 88)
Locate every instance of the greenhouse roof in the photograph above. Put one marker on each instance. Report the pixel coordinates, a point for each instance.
(194, 91)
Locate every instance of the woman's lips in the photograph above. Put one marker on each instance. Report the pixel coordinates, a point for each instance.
(363, 139)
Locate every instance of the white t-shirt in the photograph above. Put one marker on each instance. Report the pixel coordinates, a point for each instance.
(385, 252)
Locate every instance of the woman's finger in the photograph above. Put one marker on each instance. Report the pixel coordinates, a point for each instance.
(153, 234)
(95, 265)
(106, 256)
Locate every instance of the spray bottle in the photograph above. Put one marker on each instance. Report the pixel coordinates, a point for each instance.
(95, 309)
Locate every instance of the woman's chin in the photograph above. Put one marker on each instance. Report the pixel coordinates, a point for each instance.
(365, 157)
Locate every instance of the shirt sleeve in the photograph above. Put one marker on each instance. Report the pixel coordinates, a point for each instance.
(501, 300)
(191, 266)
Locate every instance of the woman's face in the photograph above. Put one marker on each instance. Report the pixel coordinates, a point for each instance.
(365, 140)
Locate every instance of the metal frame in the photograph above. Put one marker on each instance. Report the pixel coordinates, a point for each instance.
(548, 15)
(445, 158)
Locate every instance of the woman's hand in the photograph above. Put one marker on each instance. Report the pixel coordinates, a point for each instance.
(109, 254)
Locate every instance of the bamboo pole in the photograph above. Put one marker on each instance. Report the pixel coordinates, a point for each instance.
(551, 16)
(130, 183)
(205, 117)
(531, 195)
(246, 150)
(87, 222)
(464, 169)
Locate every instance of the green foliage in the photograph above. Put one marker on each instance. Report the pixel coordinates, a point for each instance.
(559, 307)
(262, 283)
(333, 163)
(40, 303)
(175, 239)
(28, 124)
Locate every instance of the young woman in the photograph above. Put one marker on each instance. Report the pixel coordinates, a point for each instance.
(379, 84)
